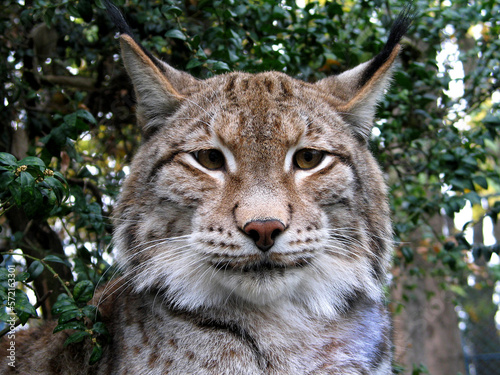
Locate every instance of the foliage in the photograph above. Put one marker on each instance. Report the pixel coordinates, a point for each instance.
(66, 113)
(28, 183)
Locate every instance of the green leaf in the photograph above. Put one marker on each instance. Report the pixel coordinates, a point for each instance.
(57, 187)
(3, 294)
(473, 197)
(176, 34)
(63, 305)
(193, 63)
(90, 312)
(201, 54)
(227, 14)
(83, 291)
(66, 316)
(48, 16)
(470, 160)
(22, 276)
(7, 159)
(70, 325)
(491, 120)
(27, 182)
(35, 269)
(481, 181)
(236, 37)
(75, 337)
(219, 65)
(24, 317)
(32, 161)
(334, 9)
(60, 177)
(56, 259)
(4, 274)
(87, 116)
(100, 328)
(73, 11)
(175, 11)
(5, 179)
(71, 119)
(4, 317)
(96, 354)
(407, 253)
(22, 304)
(458, 290)
(35, 205)
(100, 4)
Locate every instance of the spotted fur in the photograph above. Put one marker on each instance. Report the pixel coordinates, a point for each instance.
(198, 295)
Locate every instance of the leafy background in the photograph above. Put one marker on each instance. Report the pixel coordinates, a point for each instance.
(68, 133)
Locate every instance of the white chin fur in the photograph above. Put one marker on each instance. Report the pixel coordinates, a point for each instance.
(260, 288)
(323, 288)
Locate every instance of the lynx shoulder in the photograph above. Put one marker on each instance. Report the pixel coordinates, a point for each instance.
(253, 230)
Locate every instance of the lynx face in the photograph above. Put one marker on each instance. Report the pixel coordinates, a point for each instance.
(255, 190)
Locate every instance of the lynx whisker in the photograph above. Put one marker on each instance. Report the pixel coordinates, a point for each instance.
(335, 250)
(136, 271)
(388, 239)
(105, 295)
(152, 244)
(348, 240)
(164, 256)
(230, 294)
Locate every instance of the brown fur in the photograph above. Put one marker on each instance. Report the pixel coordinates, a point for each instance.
(198, 295)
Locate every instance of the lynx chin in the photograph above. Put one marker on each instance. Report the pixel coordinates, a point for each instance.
(253, 231)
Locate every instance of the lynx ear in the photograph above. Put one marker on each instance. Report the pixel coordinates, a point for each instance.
(150, 77)
(158, 86)
(361, 88)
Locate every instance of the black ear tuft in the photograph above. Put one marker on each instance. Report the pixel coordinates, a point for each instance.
(117, 18)
(123, 27)
(398, 30)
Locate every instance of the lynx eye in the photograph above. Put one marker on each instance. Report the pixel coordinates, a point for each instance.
(210, 159)
(308, 158)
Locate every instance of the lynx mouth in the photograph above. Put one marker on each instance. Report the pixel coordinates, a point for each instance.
(263, 265)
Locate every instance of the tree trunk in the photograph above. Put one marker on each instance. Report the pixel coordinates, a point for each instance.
(426, 330)
(481, 333)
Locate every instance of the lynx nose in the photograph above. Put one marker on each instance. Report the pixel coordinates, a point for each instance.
(263, 232)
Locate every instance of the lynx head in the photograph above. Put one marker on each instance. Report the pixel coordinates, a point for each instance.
(255, 189)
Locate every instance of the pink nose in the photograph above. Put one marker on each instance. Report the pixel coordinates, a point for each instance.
(263, 232)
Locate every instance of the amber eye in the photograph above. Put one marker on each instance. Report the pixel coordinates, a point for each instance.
(307, 158)
(210, 159)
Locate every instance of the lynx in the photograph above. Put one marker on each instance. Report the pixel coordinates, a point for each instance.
(253, 230)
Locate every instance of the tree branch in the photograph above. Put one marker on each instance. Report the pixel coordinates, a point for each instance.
(78, 82)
